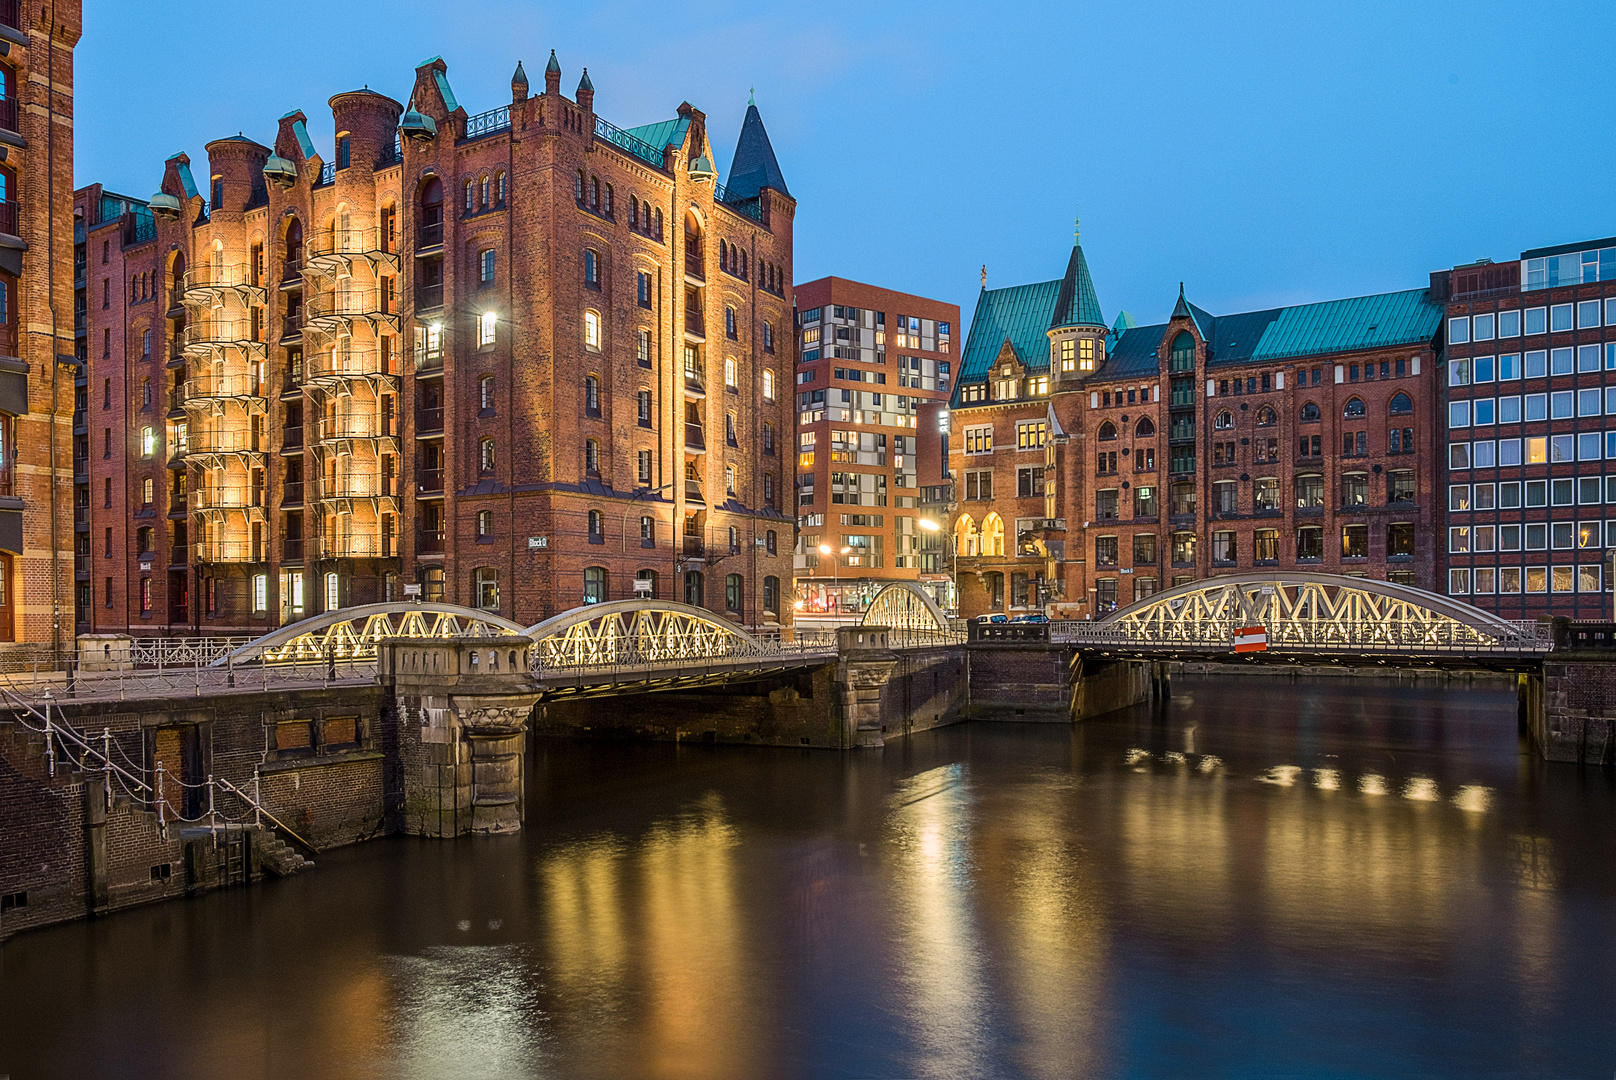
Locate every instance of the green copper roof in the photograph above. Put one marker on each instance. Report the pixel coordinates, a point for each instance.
(1077, 304)
(304, 143)
(449, 101)
(1020, 313)
(665, 133)
(1362, 322)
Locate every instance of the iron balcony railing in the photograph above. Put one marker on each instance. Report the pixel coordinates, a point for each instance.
(373, 240)
(357, 546)
(210, 440)
(429, 481)
(427, 358)
(208, 280)
(341, 363)
(8, 217)
(292, 493)
(292, 437)
(429, 419)
(488, 123)
(228, 551)
(751, 207)
(139, 230)
(428, 296)
(429, 234)
(226, 498)
(628, 143)
(211, 333)
(355, 427)
(356, 486)
(429, 542)
(332, 307)
(223, 386)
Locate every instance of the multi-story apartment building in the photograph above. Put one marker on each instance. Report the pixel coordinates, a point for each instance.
(1531, 389)
(37, 365)
(870, 362)
(1095, 465)
(523, 360)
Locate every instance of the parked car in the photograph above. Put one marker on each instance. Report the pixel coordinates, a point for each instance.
(994, 617)
(1030, 619)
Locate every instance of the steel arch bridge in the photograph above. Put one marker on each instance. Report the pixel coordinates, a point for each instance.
(639, 632)
(350, 634)
(902, 605)
(1303, 613)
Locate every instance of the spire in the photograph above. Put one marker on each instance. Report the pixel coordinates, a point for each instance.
(584, 83)
(1077, 304)
(520, 78)
(554, 66)
(754, 168)
(984, 277)
(1181, 310)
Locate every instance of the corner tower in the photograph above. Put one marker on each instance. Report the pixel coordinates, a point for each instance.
(1077, 330)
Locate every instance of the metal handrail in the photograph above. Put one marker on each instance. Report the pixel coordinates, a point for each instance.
(488, 123)
(628, 143)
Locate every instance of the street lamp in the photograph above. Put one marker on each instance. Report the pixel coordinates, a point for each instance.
(836, 571)
(953, 564)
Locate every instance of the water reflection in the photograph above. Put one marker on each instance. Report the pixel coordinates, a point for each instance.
(1243, 884)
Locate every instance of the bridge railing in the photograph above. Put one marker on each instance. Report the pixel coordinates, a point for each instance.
(155, 672)
(1390, 637)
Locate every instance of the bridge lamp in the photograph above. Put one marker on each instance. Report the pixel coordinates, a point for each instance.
(836, 570)
(953, 583)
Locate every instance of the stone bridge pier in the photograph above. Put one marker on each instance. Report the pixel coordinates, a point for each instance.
(456, 729)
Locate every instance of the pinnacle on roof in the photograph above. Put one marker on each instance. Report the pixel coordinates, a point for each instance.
(1076, 304)
(1202, 319)
(554, 66)
(1181, 310)
(520, 78)
(585, 84)
(754, 167)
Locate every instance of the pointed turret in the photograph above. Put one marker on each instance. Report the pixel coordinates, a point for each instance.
(1077, 304)
(1203, 320)
(585, 96)
(519, 83)
(754, 168)
(552, 75)
(1181, 310)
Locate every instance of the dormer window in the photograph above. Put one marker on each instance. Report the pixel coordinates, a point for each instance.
(1005, 389)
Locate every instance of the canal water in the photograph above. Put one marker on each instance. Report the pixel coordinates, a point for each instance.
(1342, 878)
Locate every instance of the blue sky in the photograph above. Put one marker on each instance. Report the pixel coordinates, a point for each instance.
(1263, 153)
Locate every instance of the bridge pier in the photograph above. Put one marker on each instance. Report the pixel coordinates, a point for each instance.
(459, 709)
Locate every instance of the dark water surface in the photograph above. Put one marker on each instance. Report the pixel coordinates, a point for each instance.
(1275, 879)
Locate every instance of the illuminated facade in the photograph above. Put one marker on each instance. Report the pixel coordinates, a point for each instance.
(1094, 465)
(523, 360)
(873, 368)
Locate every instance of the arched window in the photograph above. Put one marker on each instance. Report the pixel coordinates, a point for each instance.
(743, 264)
(594, 192)
(592, 457)
(485, 523)
(657, 228)
(485, 453)
(485, 588)
(499, 188)
(1144, 429)
(591, 268)
(592, 329)
(485, 393)
(1266, 417)
(771, 595)
(1355, 408)
(606, 207)
(597, 525)
(143, 540)
(1401, 404)
(432, 212)
(966, 538)
(578, 188)
(145, 393)
(634, 211)
(1310, 413)
(1108, 431)
(591, 395)
(649, 589)
(730, 330)
(1183, 352)
(993, 535)
(471, 196)
(1223, 421)
(483, 183)
(723, 255)
(733, 592)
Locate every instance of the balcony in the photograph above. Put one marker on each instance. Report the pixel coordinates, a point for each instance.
(695, 266)
(81, 517)
(208, 286)
(428, 359)
(360, 426)
(210, 336)
(693, 437)
(429, 420)
(429, 542)
(11, 13)
(292, 549)
(336, 313)
(228, 551)
(356, 486)
(205, 440)
(178, 503)
(291, 438)
(226, 498)
(8, 112)
(353, 547)
(693, 548)
(8, 217)
(177, 554)
(429, 481)
(428, 297)
(694, 324)
(342, 364)
(292, 327)
(335, 251)
(429, 235)
(693, 491)
(292, 493)
(217, 387)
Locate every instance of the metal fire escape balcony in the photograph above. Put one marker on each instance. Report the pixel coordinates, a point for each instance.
(228, 551)
(341, 433)
(354, 546)
(207, 394)
(335, 314)
(208, 444)
(210, 286)
(334, 253)
(343, 492)
(334, 369)
(211, 338)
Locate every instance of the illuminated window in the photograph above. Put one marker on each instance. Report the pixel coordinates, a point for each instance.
(591, 330)
(148, 442)
(1086, 354)
(260, 592)
(486, 324)
(485, 587)
(485, 523)
(729, 372)
(768, 385)
(333, 592)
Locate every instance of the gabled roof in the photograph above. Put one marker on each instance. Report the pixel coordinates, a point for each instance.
(1185, 310)
(753, 167)
(1020, 314)
(1077, 304)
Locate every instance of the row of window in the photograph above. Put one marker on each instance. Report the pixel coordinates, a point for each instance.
(1530, 536)
(1534, 364)
(1514, 494)
(1555, 318)
(1534, 450)
(1506, 580)
(1353, 487)
(485, 193)
(1400, 540)
(1530, 408)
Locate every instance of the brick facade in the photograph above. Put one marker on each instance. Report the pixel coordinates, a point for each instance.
(518, 358)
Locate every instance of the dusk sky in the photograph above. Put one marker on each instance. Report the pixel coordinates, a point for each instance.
(1262, 153)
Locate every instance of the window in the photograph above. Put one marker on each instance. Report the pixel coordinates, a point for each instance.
(768, 337)
(644, 467)
(730, 330)
(591, 269)
(1144, 502)
(1266, 417)
(485, 588)
(732, 592)
(1309, 491)
(592, 330)
(642, 348)
(591, 395)
(148, 442)
(642, 282)
(486, 455)
(333, 593)
(768, 385)
(485, 392)
(1224, 421)
(1032, 434)
(642, 408)
(487, 327)
(1355, 541)
(729, 373)
(771, 594)
(1354, 408)
(1223, 547)
(592, 457)
(1355, 489)
(485, 523)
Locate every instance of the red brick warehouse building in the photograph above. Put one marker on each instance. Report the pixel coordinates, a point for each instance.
(1097, 465)
(526, 359)
(873, 367)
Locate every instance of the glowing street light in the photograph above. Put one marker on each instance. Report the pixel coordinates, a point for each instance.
(836, 572)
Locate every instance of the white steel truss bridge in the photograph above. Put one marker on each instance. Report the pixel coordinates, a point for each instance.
(1299, 615)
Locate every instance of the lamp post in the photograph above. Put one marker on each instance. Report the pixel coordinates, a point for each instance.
(953, 562)
(836, 571)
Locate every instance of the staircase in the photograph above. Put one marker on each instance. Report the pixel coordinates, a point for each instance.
(276, 855)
